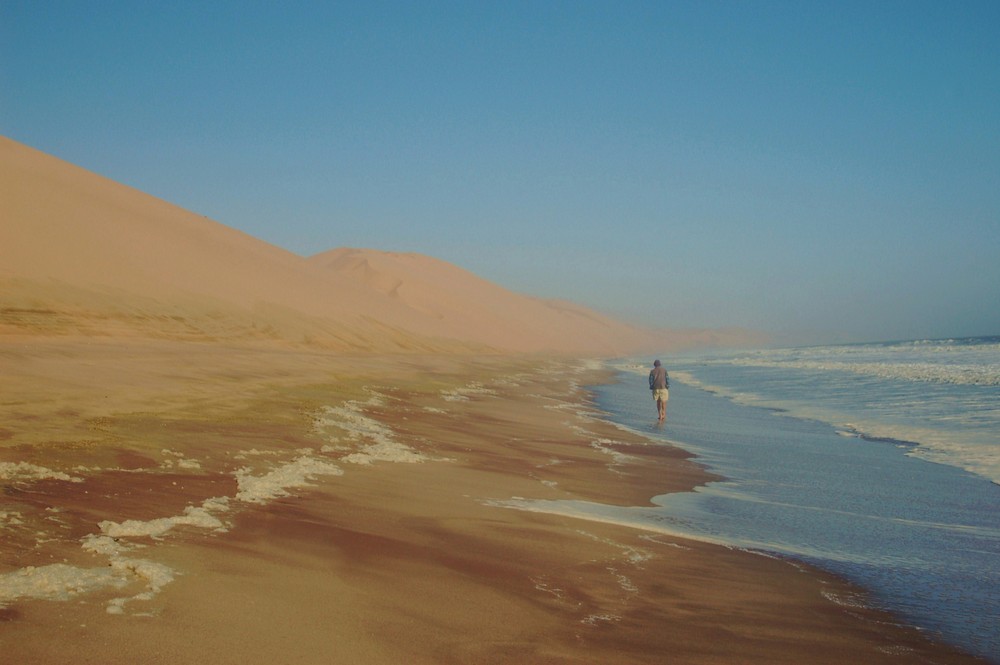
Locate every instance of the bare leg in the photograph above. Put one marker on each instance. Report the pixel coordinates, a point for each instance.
(661, 408)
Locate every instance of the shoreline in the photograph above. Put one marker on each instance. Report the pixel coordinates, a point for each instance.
(387, 561)
(797, 487)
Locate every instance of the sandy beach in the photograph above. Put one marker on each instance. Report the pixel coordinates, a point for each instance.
(214, 450)
(267, 504)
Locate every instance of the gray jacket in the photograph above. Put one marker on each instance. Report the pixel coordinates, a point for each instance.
(658, 378)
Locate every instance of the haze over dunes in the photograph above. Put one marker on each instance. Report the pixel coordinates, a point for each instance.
(82, 254)
(156, 454)
(469, 307)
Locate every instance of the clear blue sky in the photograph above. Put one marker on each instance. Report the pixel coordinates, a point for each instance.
(822, 170)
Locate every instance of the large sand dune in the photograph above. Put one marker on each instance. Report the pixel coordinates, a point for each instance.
(81, 254)
(469, 307)
(314, 500)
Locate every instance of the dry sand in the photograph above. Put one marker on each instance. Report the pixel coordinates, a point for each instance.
(81, 254)
(215, 451)
(396, 550)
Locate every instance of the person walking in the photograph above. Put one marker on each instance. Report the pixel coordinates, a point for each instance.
(659, 383)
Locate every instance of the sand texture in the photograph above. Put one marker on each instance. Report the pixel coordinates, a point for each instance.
(215, 451)
(272, 505)
(83, 254)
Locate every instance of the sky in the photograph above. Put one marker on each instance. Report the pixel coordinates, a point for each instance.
(819, 171)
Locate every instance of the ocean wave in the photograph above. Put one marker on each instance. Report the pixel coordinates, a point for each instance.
(927, 372)
(974, 450)
(973, 361)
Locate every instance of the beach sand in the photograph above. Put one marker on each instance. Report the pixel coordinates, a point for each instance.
(178, 502)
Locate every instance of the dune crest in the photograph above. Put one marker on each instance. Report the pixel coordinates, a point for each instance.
(474, 308)
(82, 254)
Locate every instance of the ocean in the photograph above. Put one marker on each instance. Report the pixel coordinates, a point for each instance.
(877, 462)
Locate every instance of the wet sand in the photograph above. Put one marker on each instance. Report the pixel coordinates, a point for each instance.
(405, 554)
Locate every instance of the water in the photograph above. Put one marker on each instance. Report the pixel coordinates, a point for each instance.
(878, 462)
(942, 395)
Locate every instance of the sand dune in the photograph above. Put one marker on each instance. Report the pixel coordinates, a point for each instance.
(361, 494)
(82, 254)
(470, 307)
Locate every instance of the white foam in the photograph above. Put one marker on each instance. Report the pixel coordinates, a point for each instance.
(617, 457)
(353, 422)
(275, 483)
(117, 539)
(597, 512)
(384, 451)
(62, 581)
(854, 600)
(896, 650)
(970, 448)
(633, 555)
(960, 365)
(597, 619)
(378, 441)
(655, 539)
(154, 575)
(195, 516)
(58, 581)
(179, 459)
(24, 471)
(542, 585)
(253, 452)
(11, 518)
(104, 545)
(462, 394)
(114, 541)
(623, 581)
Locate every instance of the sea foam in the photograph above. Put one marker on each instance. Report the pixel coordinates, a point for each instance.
(24, 471)
(195, 516)
(117, 541)
(58, 581)
(276, 482)
(377, 441)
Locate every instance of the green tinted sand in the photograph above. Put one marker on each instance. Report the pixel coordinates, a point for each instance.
(274, 505)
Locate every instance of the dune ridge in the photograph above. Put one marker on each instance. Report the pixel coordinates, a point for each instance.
(82, 254)
(471, 307)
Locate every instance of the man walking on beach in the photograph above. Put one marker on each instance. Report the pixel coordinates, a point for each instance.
(659, 383)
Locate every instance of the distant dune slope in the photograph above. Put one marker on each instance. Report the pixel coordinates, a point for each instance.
(81, 254)
(470, 307)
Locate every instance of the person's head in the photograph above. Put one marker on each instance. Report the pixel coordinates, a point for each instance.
(656, 363)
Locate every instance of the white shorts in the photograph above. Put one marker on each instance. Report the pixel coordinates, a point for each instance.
(661, 394)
